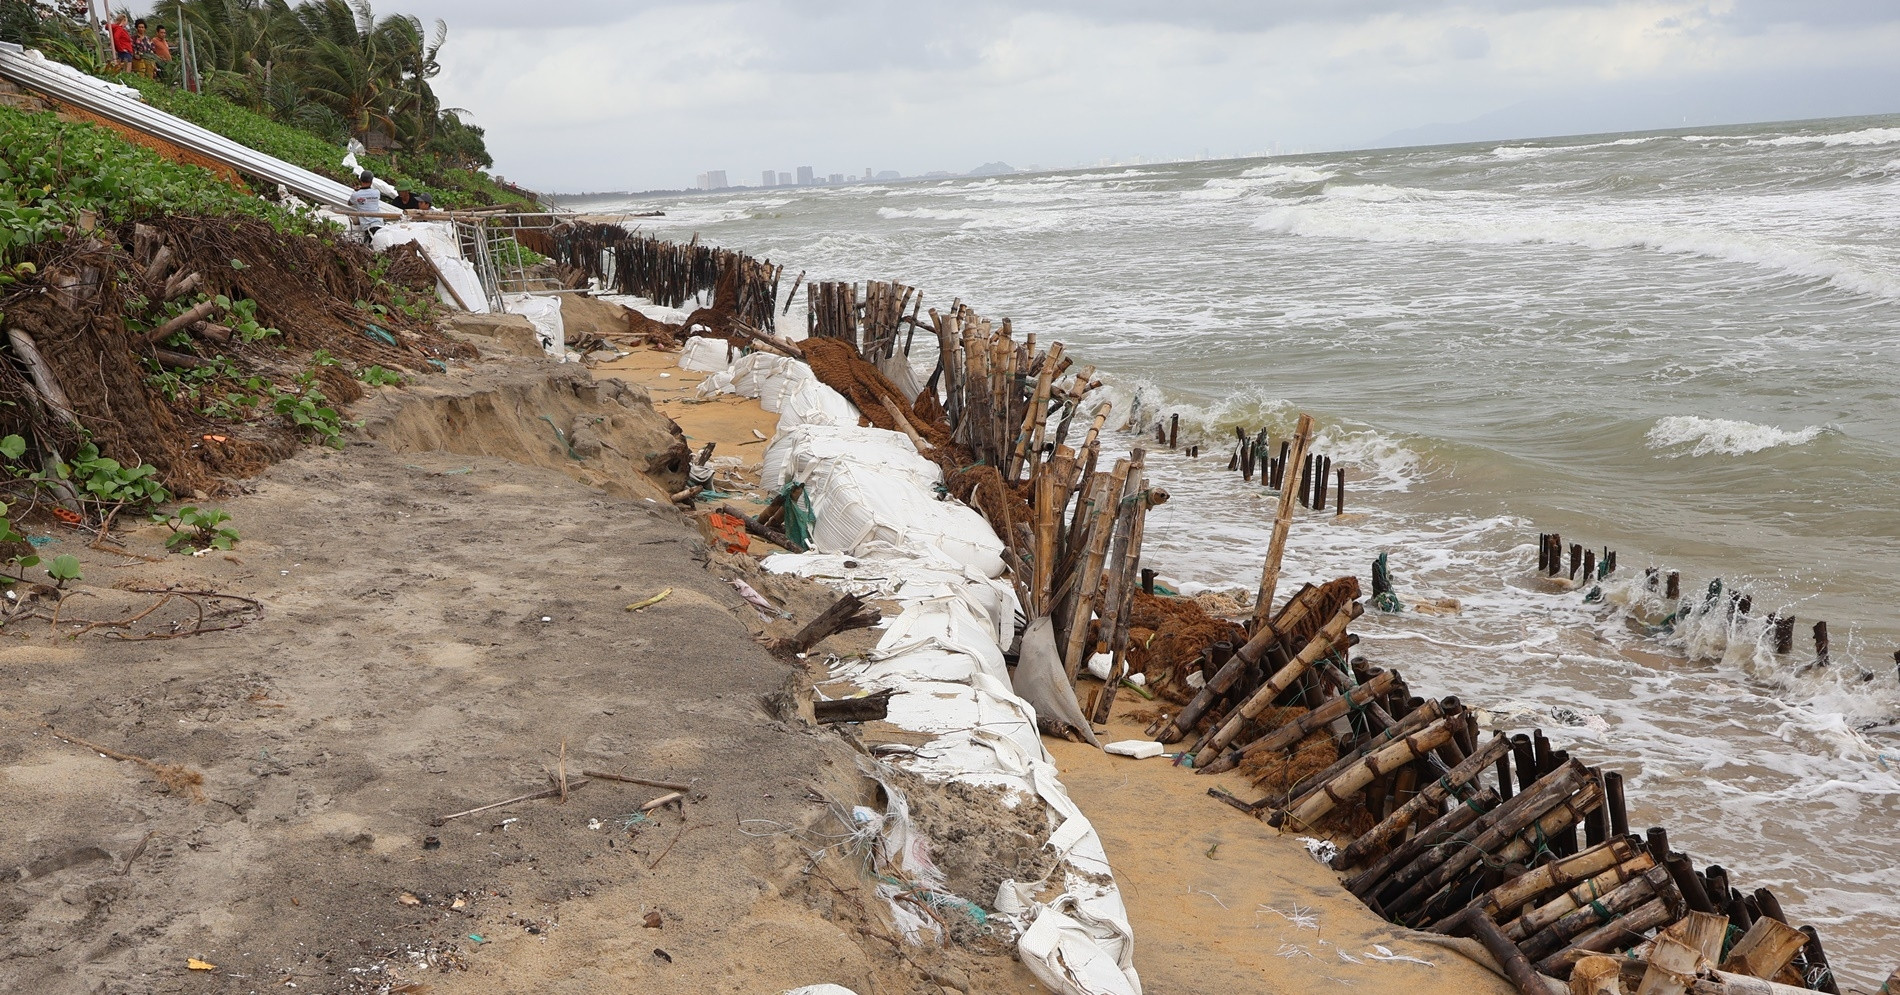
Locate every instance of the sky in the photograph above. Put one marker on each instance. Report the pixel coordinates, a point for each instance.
(593, 95)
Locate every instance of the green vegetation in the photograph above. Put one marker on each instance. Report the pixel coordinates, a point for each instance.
(56, 174)
(299, 83)
(376, 376)
(63, 568)
(14, 564)
(200, 528)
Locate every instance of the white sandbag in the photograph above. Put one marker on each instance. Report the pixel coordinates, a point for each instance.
(897, 369)
(544, 313)
(436, 239)
(705, 355)
(1041, 681)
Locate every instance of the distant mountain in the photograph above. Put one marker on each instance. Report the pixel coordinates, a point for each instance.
(992, 169)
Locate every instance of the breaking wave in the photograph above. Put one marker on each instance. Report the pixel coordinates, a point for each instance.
(1721, 436)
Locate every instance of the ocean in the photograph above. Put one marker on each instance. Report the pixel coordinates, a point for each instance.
(1683, 346)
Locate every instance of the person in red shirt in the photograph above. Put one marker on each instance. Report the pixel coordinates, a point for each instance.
(122, 40)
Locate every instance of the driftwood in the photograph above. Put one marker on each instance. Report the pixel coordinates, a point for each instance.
(530, 796)
(649, 782)
(864, 708)
(848, 612)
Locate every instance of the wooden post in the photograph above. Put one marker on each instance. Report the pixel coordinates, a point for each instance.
(1174, 430)
(1319, 485)
(1516, 966)
(1820, 644)
(1148, 581)
(1821, 973)
(1589, 565)
(1613, 800)
(1339, 500)
(1282, 522)
(1543, 551)
(1673, 591)
(1576, 558)
(1556, 555)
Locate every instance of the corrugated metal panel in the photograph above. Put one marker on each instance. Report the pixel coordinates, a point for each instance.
(121, 104)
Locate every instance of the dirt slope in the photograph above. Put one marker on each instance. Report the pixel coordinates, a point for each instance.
(435, 625)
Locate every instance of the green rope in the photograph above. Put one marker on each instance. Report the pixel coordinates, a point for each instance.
(1603, 914)
(1382, 596)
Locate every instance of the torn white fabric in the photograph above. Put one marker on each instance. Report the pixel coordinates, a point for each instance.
(436, 240)
(544, 313)
(882, 528)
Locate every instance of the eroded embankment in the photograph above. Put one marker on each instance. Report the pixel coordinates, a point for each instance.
(443, 625)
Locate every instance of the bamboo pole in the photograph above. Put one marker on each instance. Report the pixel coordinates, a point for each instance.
(1038, 403)
(1277, 685)
(1304, 726)
(1519, 846)
(1765, 949)
(1282, 522)
(1622, 932)
(1609, 879)
(1615, 902)
(1680, 952)
(1428, 799)
(1418, 718)
(1515, 814)
(1597, 976)
(1443, 831)
(1323, 799)
(1091, 576)
(1516, 966)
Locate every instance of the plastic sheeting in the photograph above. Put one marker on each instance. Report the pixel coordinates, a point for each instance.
(437, 240)
(544, 312)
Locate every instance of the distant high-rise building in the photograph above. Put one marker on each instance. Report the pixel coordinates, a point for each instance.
(804, 176)
(768, 179)
(699, 182)
(867, 172)
(836, 178)
(785, 179)
(716, 179)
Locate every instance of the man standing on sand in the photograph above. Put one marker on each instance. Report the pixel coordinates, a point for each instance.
(122, 40)
(367, 204)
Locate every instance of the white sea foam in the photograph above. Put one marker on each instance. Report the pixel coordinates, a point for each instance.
(1288, 174)
(1721, 436)
(1515, 152)
(1866, 136)
(1338, 217)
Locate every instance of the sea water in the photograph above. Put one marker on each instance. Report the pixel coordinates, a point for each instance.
(1683, 346)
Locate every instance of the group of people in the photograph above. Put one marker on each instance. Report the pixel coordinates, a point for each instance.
(136, 49)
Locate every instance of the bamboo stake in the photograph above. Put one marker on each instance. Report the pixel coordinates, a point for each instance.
(1304, 726)
(1680, 952)
(1443, 831)
(1623, 932)
(1129, 584)
(1597, 976)
(1765, 949)
(1533, 922)
(1038, 404)
(1277, 685)
(1323, 799)
(1516, 813)
(1282, 522)
(1091, 577)
(1428, 799)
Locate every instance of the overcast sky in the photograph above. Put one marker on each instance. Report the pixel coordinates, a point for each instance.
(599, 95)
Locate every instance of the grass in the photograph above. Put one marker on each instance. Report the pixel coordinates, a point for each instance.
(447, 188)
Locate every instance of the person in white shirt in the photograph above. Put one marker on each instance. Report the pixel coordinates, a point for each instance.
(367, 204)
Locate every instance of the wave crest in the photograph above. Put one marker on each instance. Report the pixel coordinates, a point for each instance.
(1721, 436)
